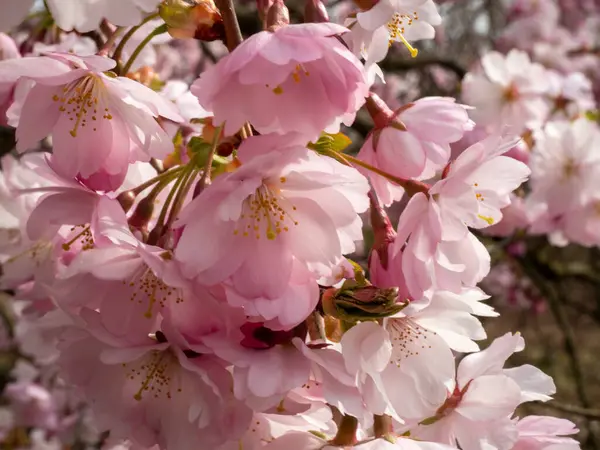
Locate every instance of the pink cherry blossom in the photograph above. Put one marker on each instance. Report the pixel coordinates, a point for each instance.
(258, 354)
(282, 81)
(99, 123)
(478, 183)
(68, 43)
(452, 317)
(572, 94)
(258, 220)
(539, 433)
(564, 165)
(294, 414)
(437, 250)
(183, 284)
(131, 384)
(437, 254)
(386, 361)
(510, 91)
(414, 142)
(86, 15)
(8, 50)
(135, 281)
(476, 414)
(308, 441)
(392, 21)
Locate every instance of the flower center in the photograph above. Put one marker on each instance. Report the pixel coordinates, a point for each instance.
(84, 237)
(408, 339)
(81, 100)
(452, 401)
(570, 169)
(479, 196)
(510, 94)
(266, 213)
(397, 27)
(154, 373)
(296, 74)
(147, 287)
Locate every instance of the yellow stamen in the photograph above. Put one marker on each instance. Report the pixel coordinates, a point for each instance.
(413, 51)
(488, 219)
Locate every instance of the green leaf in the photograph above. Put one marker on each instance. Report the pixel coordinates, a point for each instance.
(330, 142)
(593, 115)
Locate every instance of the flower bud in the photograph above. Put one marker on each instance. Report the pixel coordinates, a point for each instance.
(365, 5)
(278, 16)
(315, 11)
(262, 6)
(126, 199)
(143, 212)
(383, 231)
(379, 111)
(356, 303)
(198, 19)
(259, 337)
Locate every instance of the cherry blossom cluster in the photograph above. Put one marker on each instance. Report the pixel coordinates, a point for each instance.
(543, 90)
(179, 250)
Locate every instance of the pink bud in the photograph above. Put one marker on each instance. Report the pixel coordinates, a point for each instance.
(315, 11)
(379, 111)
(263, 8)
(383, 231)
(278, 16)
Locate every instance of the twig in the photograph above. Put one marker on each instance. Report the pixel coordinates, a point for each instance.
(158, 30)
(395, 64)
(208, 52)
(588, 413)
(129, 34)
(538, 275)
(209, 160)
(112, 37)
(233, 34)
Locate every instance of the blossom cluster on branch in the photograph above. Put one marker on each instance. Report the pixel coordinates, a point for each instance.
(178, 250)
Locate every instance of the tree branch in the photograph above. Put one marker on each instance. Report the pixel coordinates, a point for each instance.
(397, 64)
(233, 35)
(588, 413)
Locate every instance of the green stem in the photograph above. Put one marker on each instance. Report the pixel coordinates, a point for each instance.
(131, 32)
(174, 190)
(181, 195)
(158, 30)
(411, 187)
(211, 157)
(165, 175)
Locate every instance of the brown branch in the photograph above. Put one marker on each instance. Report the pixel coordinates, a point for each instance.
(540, 275)
(233, 35)
(397, 64)
(588, 413)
